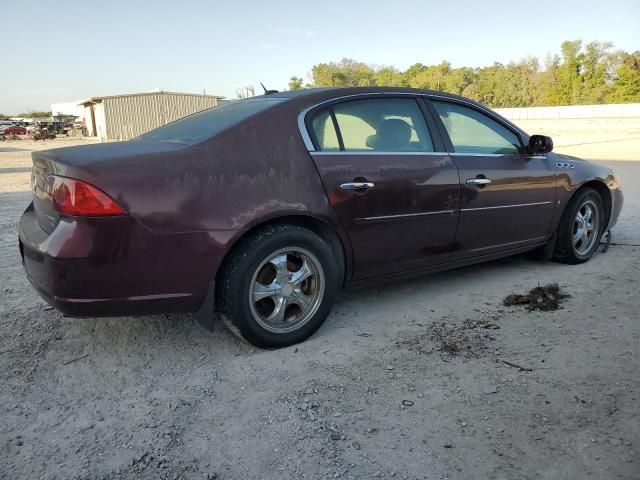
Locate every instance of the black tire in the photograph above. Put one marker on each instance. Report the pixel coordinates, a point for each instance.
(236, 281)
(565, 249)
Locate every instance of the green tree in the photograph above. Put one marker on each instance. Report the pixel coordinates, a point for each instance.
(388, 77)
(458, 79)
(548, 93)
(626, 85)
(432, 77)
(411, 73)
(295, 83)
(568, 81)
(34, 115)
(595, 71)
(580, 74)
(345, 73)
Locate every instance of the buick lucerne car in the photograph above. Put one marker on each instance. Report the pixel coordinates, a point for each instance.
(259, 211)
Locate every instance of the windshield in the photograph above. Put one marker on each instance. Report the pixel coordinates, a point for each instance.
(207, 123)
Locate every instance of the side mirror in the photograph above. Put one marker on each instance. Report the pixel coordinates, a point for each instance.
(539, 145)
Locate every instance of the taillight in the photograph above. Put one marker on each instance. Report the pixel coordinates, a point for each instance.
(76, 198)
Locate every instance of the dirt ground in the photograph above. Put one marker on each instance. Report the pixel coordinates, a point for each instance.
(591, 138)
(406, 380)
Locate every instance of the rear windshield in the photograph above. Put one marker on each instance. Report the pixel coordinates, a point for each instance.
(205, 124)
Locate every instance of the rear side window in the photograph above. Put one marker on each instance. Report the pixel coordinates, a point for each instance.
(473, 132)
(207, 123)
(376, 125)
(325, 132)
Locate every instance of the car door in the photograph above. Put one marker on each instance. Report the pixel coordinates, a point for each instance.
(393, 187)
(507, 197)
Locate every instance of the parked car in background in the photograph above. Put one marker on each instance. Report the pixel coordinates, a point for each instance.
(14, 130)
(260, 210)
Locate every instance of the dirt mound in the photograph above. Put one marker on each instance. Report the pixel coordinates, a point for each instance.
(546, 298)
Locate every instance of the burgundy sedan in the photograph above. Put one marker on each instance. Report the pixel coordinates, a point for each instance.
(261, 210)
(14, 130)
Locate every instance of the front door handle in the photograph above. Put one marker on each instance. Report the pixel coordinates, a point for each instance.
(478, 181)
(357, 186)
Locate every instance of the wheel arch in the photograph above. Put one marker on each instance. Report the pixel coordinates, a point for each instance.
(602, 188)
(336, 239)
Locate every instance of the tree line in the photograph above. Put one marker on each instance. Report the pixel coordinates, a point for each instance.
(582, 74)
(4, 116)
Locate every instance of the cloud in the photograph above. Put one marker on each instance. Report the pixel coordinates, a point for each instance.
(268, 46)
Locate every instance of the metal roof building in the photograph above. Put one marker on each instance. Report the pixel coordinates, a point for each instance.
(121, 117)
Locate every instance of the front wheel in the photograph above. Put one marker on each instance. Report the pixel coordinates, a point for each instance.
(580, 228)
(279, 285)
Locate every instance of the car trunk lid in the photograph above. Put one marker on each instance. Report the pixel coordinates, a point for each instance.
(86, 163)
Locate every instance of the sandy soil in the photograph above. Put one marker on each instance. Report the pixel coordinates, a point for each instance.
(375, 393)
(595, 138)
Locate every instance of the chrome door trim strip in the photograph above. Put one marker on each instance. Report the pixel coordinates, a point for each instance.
(506, 206)
(521, 155)
(502, 245)
(405, 215)
(461, 154)
(364, 152)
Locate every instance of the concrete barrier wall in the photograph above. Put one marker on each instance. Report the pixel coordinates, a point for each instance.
(622, 110)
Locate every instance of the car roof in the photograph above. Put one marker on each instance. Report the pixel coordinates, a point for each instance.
(309, 97)
(339, 91)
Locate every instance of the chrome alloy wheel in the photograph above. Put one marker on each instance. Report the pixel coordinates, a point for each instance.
(585, 227)
(286, 290)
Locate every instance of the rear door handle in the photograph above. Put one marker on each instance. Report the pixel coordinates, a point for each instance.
(357, 186)
(478, 181)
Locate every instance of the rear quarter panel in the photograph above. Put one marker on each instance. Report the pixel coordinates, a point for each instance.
(196, 201)
(252, 171)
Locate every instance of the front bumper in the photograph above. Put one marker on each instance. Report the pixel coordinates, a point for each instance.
(617, 200)
(114, 266)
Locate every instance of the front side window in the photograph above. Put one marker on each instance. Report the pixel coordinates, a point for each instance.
(375, 125)
(473, 132)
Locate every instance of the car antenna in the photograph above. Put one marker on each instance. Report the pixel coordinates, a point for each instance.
(267, 92)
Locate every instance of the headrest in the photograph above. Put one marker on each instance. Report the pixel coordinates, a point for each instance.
(392, 134)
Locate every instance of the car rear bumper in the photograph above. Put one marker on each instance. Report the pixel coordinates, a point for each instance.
(114, 266)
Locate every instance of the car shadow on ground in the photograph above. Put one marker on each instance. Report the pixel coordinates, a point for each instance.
(14, 149)
(14, 170)
(356, 310)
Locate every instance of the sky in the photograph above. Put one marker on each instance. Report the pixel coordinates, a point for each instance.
(53, 55)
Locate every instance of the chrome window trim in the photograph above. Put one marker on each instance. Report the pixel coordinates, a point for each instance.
(375, 152)
(309, 144)
(404, 215)
(506, 206)
(495, 116)
(302, 115)
(439, 154)
(303, 130)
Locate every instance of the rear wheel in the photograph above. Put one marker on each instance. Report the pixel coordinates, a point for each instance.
(581, 227)
(279, 285)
